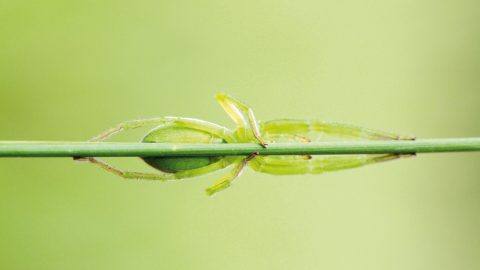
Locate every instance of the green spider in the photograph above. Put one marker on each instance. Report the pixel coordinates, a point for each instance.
(248, 129)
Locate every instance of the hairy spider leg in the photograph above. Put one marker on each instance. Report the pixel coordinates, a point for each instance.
(291, 126)
(208, 127)
(161, 176)
(280, 127)
(226, 180)
(217, 130)
(243, 116)
(285, 137)
(278, 166)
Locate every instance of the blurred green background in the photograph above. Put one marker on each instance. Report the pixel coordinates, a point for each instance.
(71, 69)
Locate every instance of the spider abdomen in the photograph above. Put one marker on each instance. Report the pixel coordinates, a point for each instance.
(172, 133)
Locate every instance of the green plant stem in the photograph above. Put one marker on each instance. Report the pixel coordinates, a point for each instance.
(108, 149)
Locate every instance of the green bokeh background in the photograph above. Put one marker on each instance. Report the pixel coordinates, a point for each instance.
(71, 69)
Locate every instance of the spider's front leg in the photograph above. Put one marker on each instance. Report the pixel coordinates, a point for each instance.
(293, 126)
(281, 165)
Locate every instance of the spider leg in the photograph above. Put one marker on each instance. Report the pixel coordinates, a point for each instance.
(159, 176)
(281, 165)
(208, 127)
(226, 180)
(290, 126)
(130, 175)
(220, 131)
(285, 137)
(248, 128)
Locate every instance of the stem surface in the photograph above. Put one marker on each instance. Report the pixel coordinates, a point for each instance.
(108, 149)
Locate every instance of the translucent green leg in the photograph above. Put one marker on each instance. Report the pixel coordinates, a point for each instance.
(160, 176)
(131, 175)
(289, 166)
(285, 137)
(220, 131)
(244, 118)
(281, 126)
(226, 180)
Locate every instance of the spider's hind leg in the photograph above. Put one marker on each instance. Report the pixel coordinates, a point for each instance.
(161, 176)
(122, 127)
(205, 126)
(130, 175)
